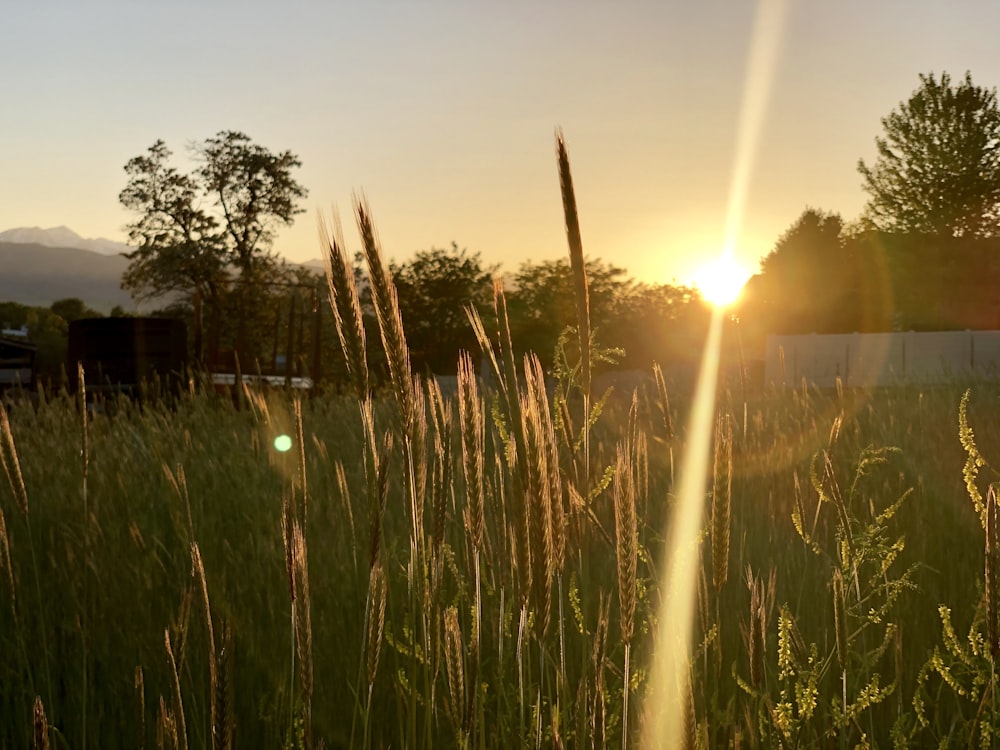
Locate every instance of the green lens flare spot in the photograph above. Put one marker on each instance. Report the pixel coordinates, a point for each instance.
(283, 443)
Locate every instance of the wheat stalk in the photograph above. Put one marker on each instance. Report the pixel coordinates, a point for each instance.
(346, 305)
(472, 425)
(13, 470)
(224, 695)
(303, 625)
(576, 260)
(40, 734)
(198, 570)
(178, 710)
(992, 569)
(390, 322)
(454, 656)
(626, 551)
(722, 490)
(840, 619)
(140, 689)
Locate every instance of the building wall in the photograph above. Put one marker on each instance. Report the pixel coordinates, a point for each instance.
(882, 359)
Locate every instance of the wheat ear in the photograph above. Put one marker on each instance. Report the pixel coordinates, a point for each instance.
(722, 490)
(345, 304)
(390, 322)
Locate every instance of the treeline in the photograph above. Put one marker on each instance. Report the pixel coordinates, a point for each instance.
(824, 278)
(286, 324)
(291, 324)
(46, 329)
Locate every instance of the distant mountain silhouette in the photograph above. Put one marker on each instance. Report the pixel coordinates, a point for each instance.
(62, 237)
(37, 275)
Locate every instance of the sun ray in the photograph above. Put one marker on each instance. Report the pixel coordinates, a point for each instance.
(670, 680)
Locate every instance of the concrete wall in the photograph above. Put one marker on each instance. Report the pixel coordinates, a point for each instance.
(881, 359)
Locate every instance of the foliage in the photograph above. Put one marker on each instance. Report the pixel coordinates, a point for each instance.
(938, 164)
(72, 308)
(805, 283)
(646, 322)
(435, 288)
(206, 236)
(179, 245)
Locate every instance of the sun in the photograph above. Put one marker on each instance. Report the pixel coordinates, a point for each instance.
(720, 281)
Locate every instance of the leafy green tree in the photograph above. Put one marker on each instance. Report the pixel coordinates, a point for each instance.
(938, 165)
(435, 287)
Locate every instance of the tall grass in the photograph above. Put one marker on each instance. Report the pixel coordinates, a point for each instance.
(481, 570)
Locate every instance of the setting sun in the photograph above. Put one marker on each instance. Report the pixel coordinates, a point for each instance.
(721, 280)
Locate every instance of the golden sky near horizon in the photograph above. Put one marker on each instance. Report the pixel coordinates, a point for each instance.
(444, 112)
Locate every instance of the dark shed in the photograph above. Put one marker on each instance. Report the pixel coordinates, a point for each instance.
(121, 353)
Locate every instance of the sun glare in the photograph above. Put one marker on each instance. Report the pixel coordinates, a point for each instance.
(721, 281)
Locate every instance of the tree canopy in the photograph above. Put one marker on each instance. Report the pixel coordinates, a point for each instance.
(206, 237)
(191, 228)
(435, 287)
(938, 165)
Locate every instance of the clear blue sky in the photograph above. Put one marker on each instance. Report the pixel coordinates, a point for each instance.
(443, 112)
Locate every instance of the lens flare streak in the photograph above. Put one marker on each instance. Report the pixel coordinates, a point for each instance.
(668, 699)
(665, 706)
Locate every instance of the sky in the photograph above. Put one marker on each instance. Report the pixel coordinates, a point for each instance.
(443, 113)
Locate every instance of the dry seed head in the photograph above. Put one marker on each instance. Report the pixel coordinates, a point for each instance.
(5, 561)
(301, 613)
(198, 570)
(178, 708)
(140, 696)
(376, 619)
(346, 305)
(390, 322)
(757, 630)
(166, 727)
(11, 465)
(286, 538)
(992, 569)
(722, 489)
(840, 618)
(627, 542)
(40, 733)
(472, 424)
(454, 657)
(539, 502)
(576, 259)
(223, 737)
(661, 389)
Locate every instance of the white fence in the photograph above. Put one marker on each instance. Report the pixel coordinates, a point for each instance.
(868, 360)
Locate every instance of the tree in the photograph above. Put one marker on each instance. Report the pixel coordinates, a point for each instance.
(542, 303)
(253, 189)
(179, 247)
(73, 308)
(434, 289)
(938, 165)
(806, 281)
(206, 234)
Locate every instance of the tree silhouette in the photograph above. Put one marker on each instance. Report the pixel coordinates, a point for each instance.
(938, 165)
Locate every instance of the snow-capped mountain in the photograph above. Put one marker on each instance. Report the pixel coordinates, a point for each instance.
(62, 237)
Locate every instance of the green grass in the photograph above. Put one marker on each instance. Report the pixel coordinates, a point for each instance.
(92, 599)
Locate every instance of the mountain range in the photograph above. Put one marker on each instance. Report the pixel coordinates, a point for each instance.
(40, 266)
(62, 237)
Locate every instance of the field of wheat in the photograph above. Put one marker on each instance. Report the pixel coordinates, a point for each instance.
(485, 568)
